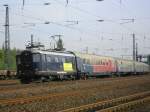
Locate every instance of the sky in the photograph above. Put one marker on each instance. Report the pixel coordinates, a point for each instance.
(77, 22)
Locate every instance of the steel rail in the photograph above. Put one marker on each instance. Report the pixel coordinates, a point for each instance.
(16, 101)
(108, 103)
(127, 106)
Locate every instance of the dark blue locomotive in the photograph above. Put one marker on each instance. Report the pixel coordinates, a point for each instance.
(46, 65)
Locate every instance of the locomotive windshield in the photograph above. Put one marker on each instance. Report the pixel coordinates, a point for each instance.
(26, 58)
(18, 61)
(36, 61)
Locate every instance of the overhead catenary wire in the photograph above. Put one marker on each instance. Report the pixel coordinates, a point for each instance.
(62, 25)
(84, 11)
(65, 25)
(106, 20)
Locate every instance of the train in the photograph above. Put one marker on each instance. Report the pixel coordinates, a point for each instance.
(44, 65)
(7, 74)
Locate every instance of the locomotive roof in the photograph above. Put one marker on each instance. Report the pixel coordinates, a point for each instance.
(53, 53)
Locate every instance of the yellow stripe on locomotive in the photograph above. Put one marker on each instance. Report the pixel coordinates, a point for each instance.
(68, 67)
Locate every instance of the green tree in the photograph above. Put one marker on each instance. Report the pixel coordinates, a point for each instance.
(2, 65)
(12, 57)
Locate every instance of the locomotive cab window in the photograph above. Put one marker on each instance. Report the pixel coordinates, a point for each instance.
(18, 59)
(36, 57)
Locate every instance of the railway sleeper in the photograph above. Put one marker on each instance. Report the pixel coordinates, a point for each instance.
(109, 103)
(126, 106)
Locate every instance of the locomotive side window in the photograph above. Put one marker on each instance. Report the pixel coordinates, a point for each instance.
(52, 58)
(48, 59)
(56, 59)
(63, 59)
(43, 62)
(54, 62)
(36, 61)
(43, 58)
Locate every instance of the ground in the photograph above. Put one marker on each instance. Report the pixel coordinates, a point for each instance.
(72, 93)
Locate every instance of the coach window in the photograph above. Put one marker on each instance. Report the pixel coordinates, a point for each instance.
(103, 63)
(83, 60)
(88, 61)
(107, 63)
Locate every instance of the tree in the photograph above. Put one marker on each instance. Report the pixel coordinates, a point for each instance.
(12, 57)
(2, 64)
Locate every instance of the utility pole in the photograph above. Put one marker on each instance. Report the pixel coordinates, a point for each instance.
(7, 39)
(59, 36)
(32, 40)
(87, 50)
(136, 51)
(23, 2)
(134, 58)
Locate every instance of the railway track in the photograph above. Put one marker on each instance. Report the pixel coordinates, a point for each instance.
(13, 85)
(47, 91)
(126, 106)
(6, 83)
(25, 100)
(71, 92)
(107, 106)
(16, 101)
(115, 105)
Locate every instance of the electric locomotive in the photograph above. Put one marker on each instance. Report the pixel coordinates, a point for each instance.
(45, 65)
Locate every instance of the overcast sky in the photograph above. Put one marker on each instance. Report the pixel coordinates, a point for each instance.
(78, 22)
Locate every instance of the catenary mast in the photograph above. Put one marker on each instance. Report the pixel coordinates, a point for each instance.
(7, 40)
